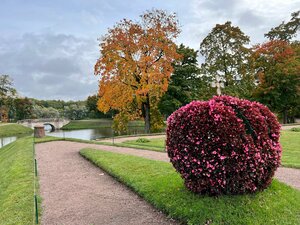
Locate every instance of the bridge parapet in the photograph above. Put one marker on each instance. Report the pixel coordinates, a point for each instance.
(55, 123)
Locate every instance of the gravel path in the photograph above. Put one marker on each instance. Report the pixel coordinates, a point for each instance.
(288, 127)
(122, 139)
(76, 192)
(289, 176)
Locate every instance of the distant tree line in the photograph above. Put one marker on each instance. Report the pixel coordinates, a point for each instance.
(132, 81)
(14, 108)
(267, 72)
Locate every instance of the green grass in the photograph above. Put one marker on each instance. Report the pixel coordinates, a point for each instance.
(160, 185)
(96, 123)
(50, 138)
(295, 129)
(155, 144)
(290, 142)
(16, 183)
(14, 130)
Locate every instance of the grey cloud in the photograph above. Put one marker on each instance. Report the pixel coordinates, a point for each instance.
(58, 66)
(254, 17)
(50, 66)
(248, 18)
(213, 10)
(219, 4)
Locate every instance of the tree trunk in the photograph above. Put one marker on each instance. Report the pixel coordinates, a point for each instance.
(284, 117)
(146, 112)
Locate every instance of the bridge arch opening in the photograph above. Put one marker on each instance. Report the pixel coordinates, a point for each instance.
(51, 126)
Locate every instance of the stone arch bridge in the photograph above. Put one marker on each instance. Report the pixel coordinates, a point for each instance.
(55, 123)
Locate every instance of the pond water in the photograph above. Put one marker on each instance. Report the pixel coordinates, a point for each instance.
(85, 134)
(92, 134)
(6, 140)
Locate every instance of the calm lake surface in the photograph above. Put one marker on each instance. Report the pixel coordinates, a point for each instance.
(92, 134)
(6, 140)
(85, 134)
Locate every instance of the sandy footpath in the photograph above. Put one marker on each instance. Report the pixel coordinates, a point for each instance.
(122, 139)
(288, 127)
(76, 192)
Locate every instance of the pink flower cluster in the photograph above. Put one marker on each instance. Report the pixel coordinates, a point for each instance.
(224, 146)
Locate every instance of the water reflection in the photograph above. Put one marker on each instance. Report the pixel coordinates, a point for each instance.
(92, 134)
(6, 140)
(47, 128)
(85, 134)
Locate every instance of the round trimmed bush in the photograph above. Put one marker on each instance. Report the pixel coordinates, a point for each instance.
(224, 146)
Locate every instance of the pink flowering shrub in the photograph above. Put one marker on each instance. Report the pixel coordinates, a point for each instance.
(224, 146)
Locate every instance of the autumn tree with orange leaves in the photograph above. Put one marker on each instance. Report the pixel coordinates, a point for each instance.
(135, 66)
(278, 66)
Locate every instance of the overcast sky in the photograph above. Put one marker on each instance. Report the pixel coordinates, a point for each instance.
(49, 47)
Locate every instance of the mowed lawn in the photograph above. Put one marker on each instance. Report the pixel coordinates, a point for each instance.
(16, 183)
(290, 142)
(154, 144)
(159, 184)
(13, 129)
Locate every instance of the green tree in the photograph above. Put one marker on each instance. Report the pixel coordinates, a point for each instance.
(6, 87)
(278, 65)
(24, 108)
(286, 31)
(185, 84)
(93, 112)
(277, 62)
(43, 112)
(227, 58)
(7, 93)
(75, 111)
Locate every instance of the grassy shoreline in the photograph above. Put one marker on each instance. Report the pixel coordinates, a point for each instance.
(160, 185)
(17, 182)
(13, 129)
